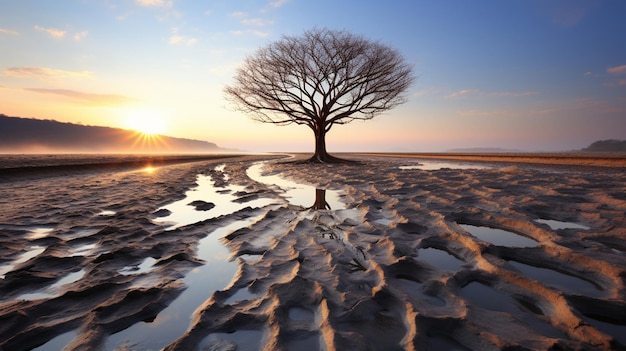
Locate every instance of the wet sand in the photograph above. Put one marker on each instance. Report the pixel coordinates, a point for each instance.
(485, 257)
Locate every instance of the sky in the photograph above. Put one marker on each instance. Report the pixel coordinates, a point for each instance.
(531, 75)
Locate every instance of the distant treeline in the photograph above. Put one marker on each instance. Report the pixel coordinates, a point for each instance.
(606, 145)
(35, 135)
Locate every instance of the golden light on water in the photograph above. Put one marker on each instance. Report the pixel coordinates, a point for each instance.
(149, 169)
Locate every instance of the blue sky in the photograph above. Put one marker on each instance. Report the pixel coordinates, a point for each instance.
(533, 75)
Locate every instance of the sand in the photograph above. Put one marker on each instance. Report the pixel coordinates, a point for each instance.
(404, 260)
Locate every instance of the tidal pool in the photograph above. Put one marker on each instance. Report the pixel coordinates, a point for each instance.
(33, 251)
(54, 289)
(555, 225)
(439, 258)
(298, 194)
(564, 282)
(437, 165)
(499, 237)
(202, 282)
(183, 212)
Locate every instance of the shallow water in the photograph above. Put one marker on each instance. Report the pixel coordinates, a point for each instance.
(33, 251)
(567, 283)
(183, 213)
(295, 193)
(202, 282)
(54, 289)
(491, 299)
(437, 165)
(555, 225)
(499, 237)
(439, 258)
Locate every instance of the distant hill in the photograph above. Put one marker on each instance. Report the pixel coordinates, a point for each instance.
(481, 150)
(27, 135)
(606, 146)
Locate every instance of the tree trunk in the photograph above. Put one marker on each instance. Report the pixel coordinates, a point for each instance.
(321, 155)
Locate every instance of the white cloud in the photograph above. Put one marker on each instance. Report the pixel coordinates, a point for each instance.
(474, 92)
(176, 39)
(277, 3)
(239, 14)
(257, 33)
(78, 36)
(259, 22)
(154, 3)
(56, 33)
(8, 31)
(44, 73)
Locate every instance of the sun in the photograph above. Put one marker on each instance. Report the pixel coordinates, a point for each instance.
(145, 121)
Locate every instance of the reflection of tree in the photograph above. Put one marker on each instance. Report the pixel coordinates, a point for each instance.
(320, 201)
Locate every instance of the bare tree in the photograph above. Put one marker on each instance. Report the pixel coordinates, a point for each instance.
(322, 78)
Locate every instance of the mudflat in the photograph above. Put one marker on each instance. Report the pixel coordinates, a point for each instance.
(386, 253)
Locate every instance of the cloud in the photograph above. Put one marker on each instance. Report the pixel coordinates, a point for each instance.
(55, 33)
(154, 3)
(78, 36)
(44, 73)
(86, 98)
(176, 39)
(8, 31)
(257, 33)
(278, 3)
(463, 92)
(255, 22)
(239, 14)
(617, 70)
(512, 94)
(474, 92)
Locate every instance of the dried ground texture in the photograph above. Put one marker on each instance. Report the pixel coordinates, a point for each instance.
(401, 266)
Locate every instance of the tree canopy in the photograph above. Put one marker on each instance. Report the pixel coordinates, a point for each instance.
(321, 78)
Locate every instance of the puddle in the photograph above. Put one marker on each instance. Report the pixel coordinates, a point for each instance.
(555, 225)
(297, 194)
(240, 340)
(311, 342)
(241, 295)
(54, 289)
(615, 330)
(491, 299)
(384, 221)
(300, 314)
(58, 342)
(32, 252)
(564, 282)
(183, 213)
(83, 250)
(145, 266)
(439, 258)
(437, 165)
(202, 282)
(38, 233)
(499, 237)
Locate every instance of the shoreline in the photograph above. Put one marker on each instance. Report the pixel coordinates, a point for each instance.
(608, 159)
